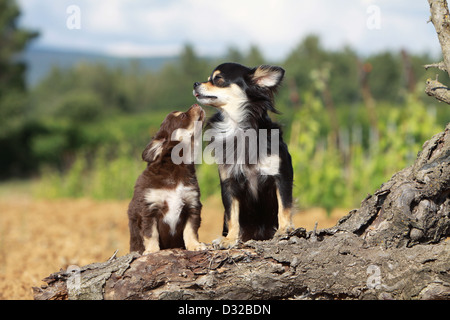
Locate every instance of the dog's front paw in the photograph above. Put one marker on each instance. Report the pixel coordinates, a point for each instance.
(151, 245)
(284, 232)
(196, 247)
(154, 250)
(225, 243)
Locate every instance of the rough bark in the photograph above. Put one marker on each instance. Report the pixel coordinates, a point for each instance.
(337, 267)
(392, 247)
(441, 21)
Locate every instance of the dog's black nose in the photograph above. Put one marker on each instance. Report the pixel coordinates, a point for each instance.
(196, 84)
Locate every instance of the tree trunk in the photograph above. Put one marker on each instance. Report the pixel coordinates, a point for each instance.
(393, 247)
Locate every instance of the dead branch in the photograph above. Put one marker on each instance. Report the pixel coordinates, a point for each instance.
(436, 89)
(439, 65)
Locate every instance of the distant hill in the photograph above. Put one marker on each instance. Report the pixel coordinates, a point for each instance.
(40, 61)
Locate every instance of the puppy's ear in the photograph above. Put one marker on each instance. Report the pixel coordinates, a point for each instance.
(153, 150)
(268, 76)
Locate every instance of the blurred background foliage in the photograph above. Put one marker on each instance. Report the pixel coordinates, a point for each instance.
(350, 121)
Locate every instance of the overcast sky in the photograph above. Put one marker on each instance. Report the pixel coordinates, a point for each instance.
(162, 27)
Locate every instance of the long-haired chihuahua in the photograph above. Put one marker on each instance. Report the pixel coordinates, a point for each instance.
(255, 166)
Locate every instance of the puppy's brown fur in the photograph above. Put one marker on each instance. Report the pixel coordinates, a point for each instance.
(165, 209)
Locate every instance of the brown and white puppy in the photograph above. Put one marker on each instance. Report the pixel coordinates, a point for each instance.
(165, 209)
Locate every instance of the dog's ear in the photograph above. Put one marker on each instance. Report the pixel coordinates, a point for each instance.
(153, 150)
(268, 76)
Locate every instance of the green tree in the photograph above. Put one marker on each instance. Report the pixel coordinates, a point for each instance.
(13, 100)
(12, 71)
(234, 55)
(306, 57)
(385, 79)
(191, 65)
(255, 57)
(174, 87)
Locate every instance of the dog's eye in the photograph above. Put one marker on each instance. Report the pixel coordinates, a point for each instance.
(219, 80)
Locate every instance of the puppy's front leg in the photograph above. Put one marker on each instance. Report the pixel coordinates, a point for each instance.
(190, 237)
(232, 238)
(151, 237)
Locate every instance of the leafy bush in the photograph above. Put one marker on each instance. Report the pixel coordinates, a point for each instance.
(340, 176)
(110, 175)
(80, 107)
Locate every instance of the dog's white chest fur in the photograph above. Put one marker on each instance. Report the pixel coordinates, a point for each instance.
(175, 199)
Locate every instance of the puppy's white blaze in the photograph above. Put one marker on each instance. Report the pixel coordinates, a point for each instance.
(175, 199)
